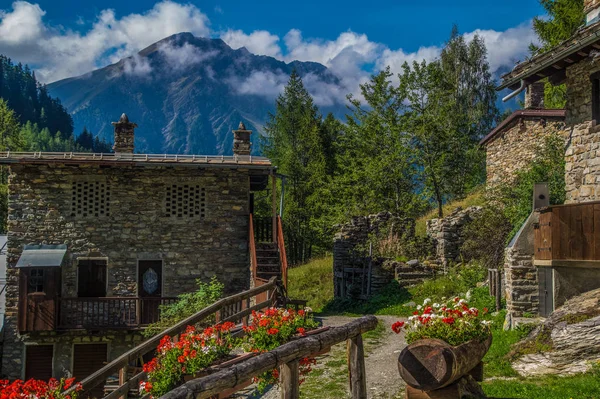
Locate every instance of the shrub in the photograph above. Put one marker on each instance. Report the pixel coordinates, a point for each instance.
(187, 305)
(38, 389)
(486, 237)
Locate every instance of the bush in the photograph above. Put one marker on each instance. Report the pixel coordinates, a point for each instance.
(187, 305)
(486, 237)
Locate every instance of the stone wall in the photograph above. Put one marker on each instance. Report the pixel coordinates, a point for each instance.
(350, 254)
(137, 227)
(447, 233)
(515, 148)
(520, 274)
(582, 156)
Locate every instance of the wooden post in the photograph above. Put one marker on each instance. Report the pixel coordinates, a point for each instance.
(122, 379)
(274, 206)
(498, 290)
(289, 375)
(356, 368)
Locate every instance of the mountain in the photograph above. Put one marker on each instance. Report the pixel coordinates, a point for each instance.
(186, 94)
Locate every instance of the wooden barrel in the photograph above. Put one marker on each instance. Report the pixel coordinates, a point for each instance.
(431, 364)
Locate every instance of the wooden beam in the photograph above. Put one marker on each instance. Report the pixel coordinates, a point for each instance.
(274, 206)
(556, 66)
(356, 368)
(570, 61)
(596, 45)
(289, 374)
(582, 53)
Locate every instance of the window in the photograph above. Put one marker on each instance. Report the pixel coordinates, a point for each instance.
(90, 199)
(36, 281)
(38, 362)
(596, 97)
(91, 278)
(185, 201)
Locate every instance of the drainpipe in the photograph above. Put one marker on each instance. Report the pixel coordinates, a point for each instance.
(514, 93)
(282, 195)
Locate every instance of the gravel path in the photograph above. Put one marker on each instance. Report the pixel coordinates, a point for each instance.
(383, 380)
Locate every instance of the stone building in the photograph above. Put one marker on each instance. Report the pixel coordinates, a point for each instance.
(512, 145)
(96, 242)
(554, 256)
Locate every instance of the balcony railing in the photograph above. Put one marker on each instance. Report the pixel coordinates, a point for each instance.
(108, 313)
(568, 235)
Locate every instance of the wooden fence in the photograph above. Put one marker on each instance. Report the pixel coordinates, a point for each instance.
(235, 308)
(287, 358)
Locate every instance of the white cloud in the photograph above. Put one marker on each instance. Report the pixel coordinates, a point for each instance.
(60, 53)
(180, 57)
(258, 42)
(263, 83)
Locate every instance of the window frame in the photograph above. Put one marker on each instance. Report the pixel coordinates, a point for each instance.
(79, 263)
(595, 103)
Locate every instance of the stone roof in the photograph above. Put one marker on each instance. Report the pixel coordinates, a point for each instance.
(124, 159)
(552, 63)
(523, 113)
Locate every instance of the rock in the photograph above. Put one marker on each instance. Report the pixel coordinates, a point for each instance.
(413, 263)
(410, 304)
(566, 343)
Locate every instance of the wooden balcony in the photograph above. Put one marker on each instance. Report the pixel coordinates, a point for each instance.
(45, 314)
(568, 235)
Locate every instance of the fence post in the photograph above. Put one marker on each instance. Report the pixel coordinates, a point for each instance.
(123, 378)
(356, 368)
(289, 375)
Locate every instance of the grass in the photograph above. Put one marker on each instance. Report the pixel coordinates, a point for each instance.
(582, 386)
(476, 198)
(313, 282)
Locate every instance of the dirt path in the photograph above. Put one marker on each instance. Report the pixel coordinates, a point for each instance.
(330, 378)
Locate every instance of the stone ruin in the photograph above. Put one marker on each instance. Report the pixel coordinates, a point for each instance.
(447, 234)
(358, 275)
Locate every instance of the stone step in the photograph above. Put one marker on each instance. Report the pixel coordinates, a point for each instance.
(409, 276)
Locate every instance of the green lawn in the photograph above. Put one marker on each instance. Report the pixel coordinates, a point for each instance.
(314, 282)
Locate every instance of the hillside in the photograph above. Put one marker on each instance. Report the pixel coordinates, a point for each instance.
(185, 93)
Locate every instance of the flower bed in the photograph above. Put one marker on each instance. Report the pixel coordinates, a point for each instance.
(196, 350)
(453, 322)
(38, 389)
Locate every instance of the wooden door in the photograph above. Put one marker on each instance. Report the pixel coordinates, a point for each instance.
(39, 287)
(149, 289)
(38, 362)
(546, 284)
(87, 359)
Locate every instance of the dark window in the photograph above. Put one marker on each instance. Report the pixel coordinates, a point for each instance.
(91, 275)
(36, 281)
(38, 362)
(596, 97)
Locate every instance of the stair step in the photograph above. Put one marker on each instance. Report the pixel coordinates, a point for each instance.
(408, 276)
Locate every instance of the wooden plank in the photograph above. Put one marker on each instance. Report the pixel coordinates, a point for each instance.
(124, 388)
(555, 220)
(587, 224)
(289, 379)
(596, 237)
(565, 234)
(356, 368)
(576, 233)
(451, 392)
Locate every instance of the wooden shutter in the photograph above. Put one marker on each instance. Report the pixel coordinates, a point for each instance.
(88, 358)
(38, 362)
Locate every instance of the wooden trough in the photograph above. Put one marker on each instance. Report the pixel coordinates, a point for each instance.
(433, 368)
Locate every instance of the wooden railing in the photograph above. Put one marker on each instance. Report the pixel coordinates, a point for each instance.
(108, 313)
(568, 235)
(252, 246)
(235, 308)
(287, 358)
(282, 253)
(263, 229)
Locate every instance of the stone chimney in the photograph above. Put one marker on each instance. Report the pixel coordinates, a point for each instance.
(241, 140)
(534, 96)
(591, 8)
(123, 135)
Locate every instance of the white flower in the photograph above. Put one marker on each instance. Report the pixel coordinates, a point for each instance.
(206, 349)
(473, 309)
(436, 305)
(419, 307)
(426, 301)
(465, 313)
(468, 296)
(443, 298)
(286, 314)
(486, 322)
(307, 309)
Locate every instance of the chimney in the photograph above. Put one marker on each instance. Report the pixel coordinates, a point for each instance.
(591, 9)
(123, 135)
(534, 96)
(241, 140)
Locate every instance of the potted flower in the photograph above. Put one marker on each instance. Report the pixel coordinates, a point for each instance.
(53, 389)
(187, 357)
(273, 328)
(445, 342)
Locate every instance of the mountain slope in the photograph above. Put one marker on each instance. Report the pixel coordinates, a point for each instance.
(185, 93)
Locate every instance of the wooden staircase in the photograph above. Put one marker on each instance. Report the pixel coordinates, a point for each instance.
(267, 250)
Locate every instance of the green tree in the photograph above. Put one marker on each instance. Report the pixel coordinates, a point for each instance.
(10, 137)
(562, 19)
(295, 141)
(376, 158)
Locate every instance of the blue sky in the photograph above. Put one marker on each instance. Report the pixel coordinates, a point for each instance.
(65, 38)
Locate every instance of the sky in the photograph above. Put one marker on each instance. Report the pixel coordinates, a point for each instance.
(64, 38)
